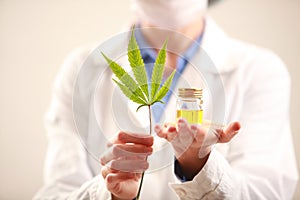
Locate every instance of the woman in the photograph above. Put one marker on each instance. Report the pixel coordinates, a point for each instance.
(246, 84)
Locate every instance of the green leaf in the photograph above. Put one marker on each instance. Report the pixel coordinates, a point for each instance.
(137, 88)
(158, 70)
(126, 91)
(137, 63)
(125, 78)
(164, 89)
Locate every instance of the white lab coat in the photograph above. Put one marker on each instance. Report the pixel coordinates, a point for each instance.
(259, 163)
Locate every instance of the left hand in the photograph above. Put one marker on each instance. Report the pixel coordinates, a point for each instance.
(192, 143)
(124, 162)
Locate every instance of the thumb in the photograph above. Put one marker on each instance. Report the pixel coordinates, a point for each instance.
(228, 132)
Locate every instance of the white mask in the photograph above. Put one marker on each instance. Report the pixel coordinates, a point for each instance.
(171, 14)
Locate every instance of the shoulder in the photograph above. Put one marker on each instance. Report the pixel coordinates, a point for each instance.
(261, 76)
(74, 61)
(75, 58)
(232, 55)
(256, 63)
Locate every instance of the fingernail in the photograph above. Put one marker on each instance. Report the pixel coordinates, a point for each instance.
(180, 120)
(171, 130)
(236, 126)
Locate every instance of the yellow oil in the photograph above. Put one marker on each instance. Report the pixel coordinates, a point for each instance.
(192, 116)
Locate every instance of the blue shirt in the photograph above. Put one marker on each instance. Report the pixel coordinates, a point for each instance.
(149, 56)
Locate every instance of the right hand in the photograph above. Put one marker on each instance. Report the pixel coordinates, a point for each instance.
(124, 163)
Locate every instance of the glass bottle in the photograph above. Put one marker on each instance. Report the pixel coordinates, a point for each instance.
(189, 105)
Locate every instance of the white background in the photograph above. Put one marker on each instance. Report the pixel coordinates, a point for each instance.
(36, 35)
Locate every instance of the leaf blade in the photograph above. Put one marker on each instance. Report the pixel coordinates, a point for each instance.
(137, 64)
(124, 77)
(126, 91)
(164, 89)
(158, 70)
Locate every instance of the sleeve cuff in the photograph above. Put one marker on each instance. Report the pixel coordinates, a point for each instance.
(205, 181)
(178, 172)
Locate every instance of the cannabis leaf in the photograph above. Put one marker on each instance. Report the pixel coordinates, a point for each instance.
(137, 89)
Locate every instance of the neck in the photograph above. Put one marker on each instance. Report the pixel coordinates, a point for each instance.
(178, 40)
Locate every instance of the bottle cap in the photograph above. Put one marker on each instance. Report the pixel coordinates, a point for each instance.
(190, 93)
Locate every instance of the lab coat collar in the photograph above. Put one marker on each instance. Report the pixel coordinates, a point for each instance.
(216, 45)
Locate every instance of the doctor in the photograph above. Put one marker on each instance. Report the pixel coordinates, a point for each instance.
(256, 163)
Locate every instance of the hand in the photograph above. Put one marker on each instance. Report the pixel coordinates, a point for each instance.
(192, 143)
(124, 162)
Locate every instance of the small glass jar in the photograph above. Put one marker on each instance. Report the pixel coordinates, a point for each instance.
(189, 105)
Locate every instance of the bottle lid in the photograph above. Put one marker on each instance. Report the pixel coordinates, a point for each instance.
(190, 93)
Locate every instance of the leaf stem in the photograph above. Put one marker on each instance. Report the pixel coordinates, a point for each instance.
(150, 120)
(150, 131)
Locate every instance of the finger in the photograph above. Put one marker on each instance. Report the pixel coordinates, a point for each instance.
(199, 133)
(104, 171)
(132, 149)
(143, 139)
(113, 177)
(116, 151)
(124, 175)
(168, 133)
(159, 132)
(185, 134)
(227, 133)
(114, 140)
(129, 165)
